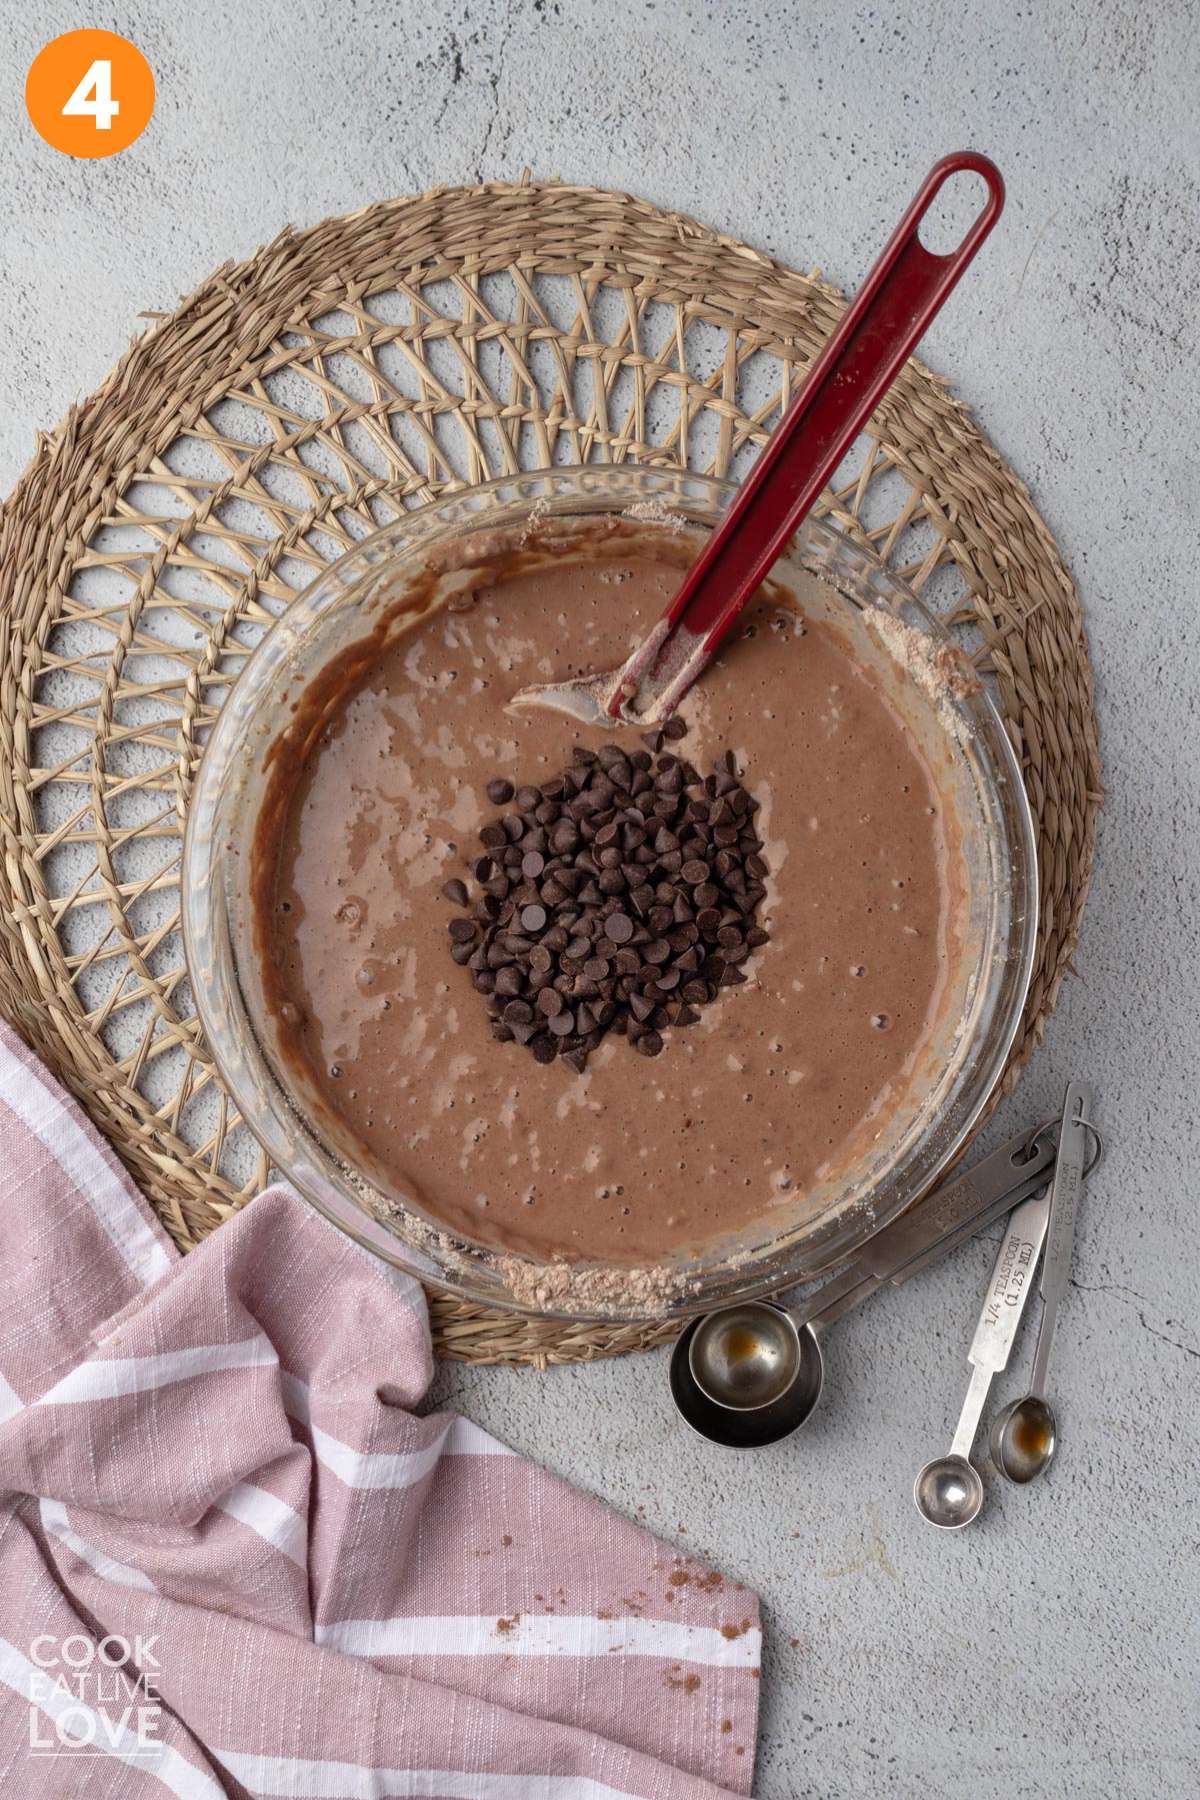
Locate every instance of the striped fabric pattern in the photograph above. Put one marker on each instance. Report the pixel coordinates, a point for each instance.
(218, 1500)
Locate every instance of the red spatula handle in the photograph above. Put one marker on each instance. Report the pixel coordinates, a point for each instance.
(902, 294)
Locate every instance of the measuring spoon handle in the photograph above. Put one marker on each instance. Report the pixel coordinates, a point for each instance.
(1064, 1191)
(972, 1411)
(1003, 1304)
(1004, 1203)
(959, 1202)
(936, 1225)
(1064, 1203)
(1010, 1286)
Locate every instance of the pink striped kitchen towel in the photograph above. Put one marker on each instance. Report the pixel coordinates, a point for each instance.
(234, 1561)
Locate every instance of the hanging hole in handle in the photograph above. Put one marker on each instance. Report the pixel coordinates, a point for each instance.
(952, 212)
(1030, 1151)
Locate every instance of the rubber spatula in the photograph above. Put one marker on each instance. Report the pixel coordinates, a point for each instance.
(904, 291)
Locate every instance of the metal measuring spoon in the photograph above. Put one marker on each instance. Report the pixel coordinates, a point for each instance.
(1024, 1435)
(750, 1374)
(949, 1490)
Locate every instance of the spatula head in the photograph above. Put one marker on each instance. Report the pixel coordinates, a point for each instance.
(583, 699)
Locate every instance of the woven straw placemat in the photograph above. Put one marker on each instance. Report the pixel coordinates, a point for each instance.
(302, 398)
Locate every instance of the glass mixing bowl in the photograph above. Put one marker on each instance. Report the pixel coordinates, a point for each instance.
(338, 611)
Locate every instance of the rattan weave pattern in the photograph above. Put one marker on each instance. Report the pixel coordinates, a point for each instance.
(297, 401)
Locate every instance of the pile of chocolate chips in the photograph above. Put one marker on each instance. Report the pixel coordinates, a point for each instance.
(618, 896)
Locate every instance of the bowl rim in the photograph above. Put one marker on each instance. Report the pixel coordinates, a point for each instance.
(572, 490)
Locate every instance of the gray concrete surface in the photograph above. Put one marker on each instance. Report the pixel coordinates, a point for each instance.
(1053, 1650)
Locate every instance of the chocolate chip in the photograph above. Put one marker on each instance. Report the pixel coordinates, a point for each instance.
(617, 896)
(674, 728)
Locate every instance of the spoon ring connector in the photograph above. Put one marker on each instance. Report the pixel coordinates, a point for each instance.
(1094, 1133)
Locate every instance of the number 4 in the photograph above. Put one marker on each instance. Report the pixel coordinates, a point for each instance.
(93, 97)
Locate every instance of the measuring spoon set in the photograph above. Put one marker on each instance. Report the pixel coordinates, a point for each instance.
(752, 1373)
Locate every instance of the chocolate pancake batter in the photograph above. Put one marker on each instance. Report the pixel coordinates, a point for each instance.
(630, 1160)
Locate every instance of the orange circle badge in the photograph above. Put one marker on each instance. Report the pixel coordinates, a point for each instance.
(89, 93)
